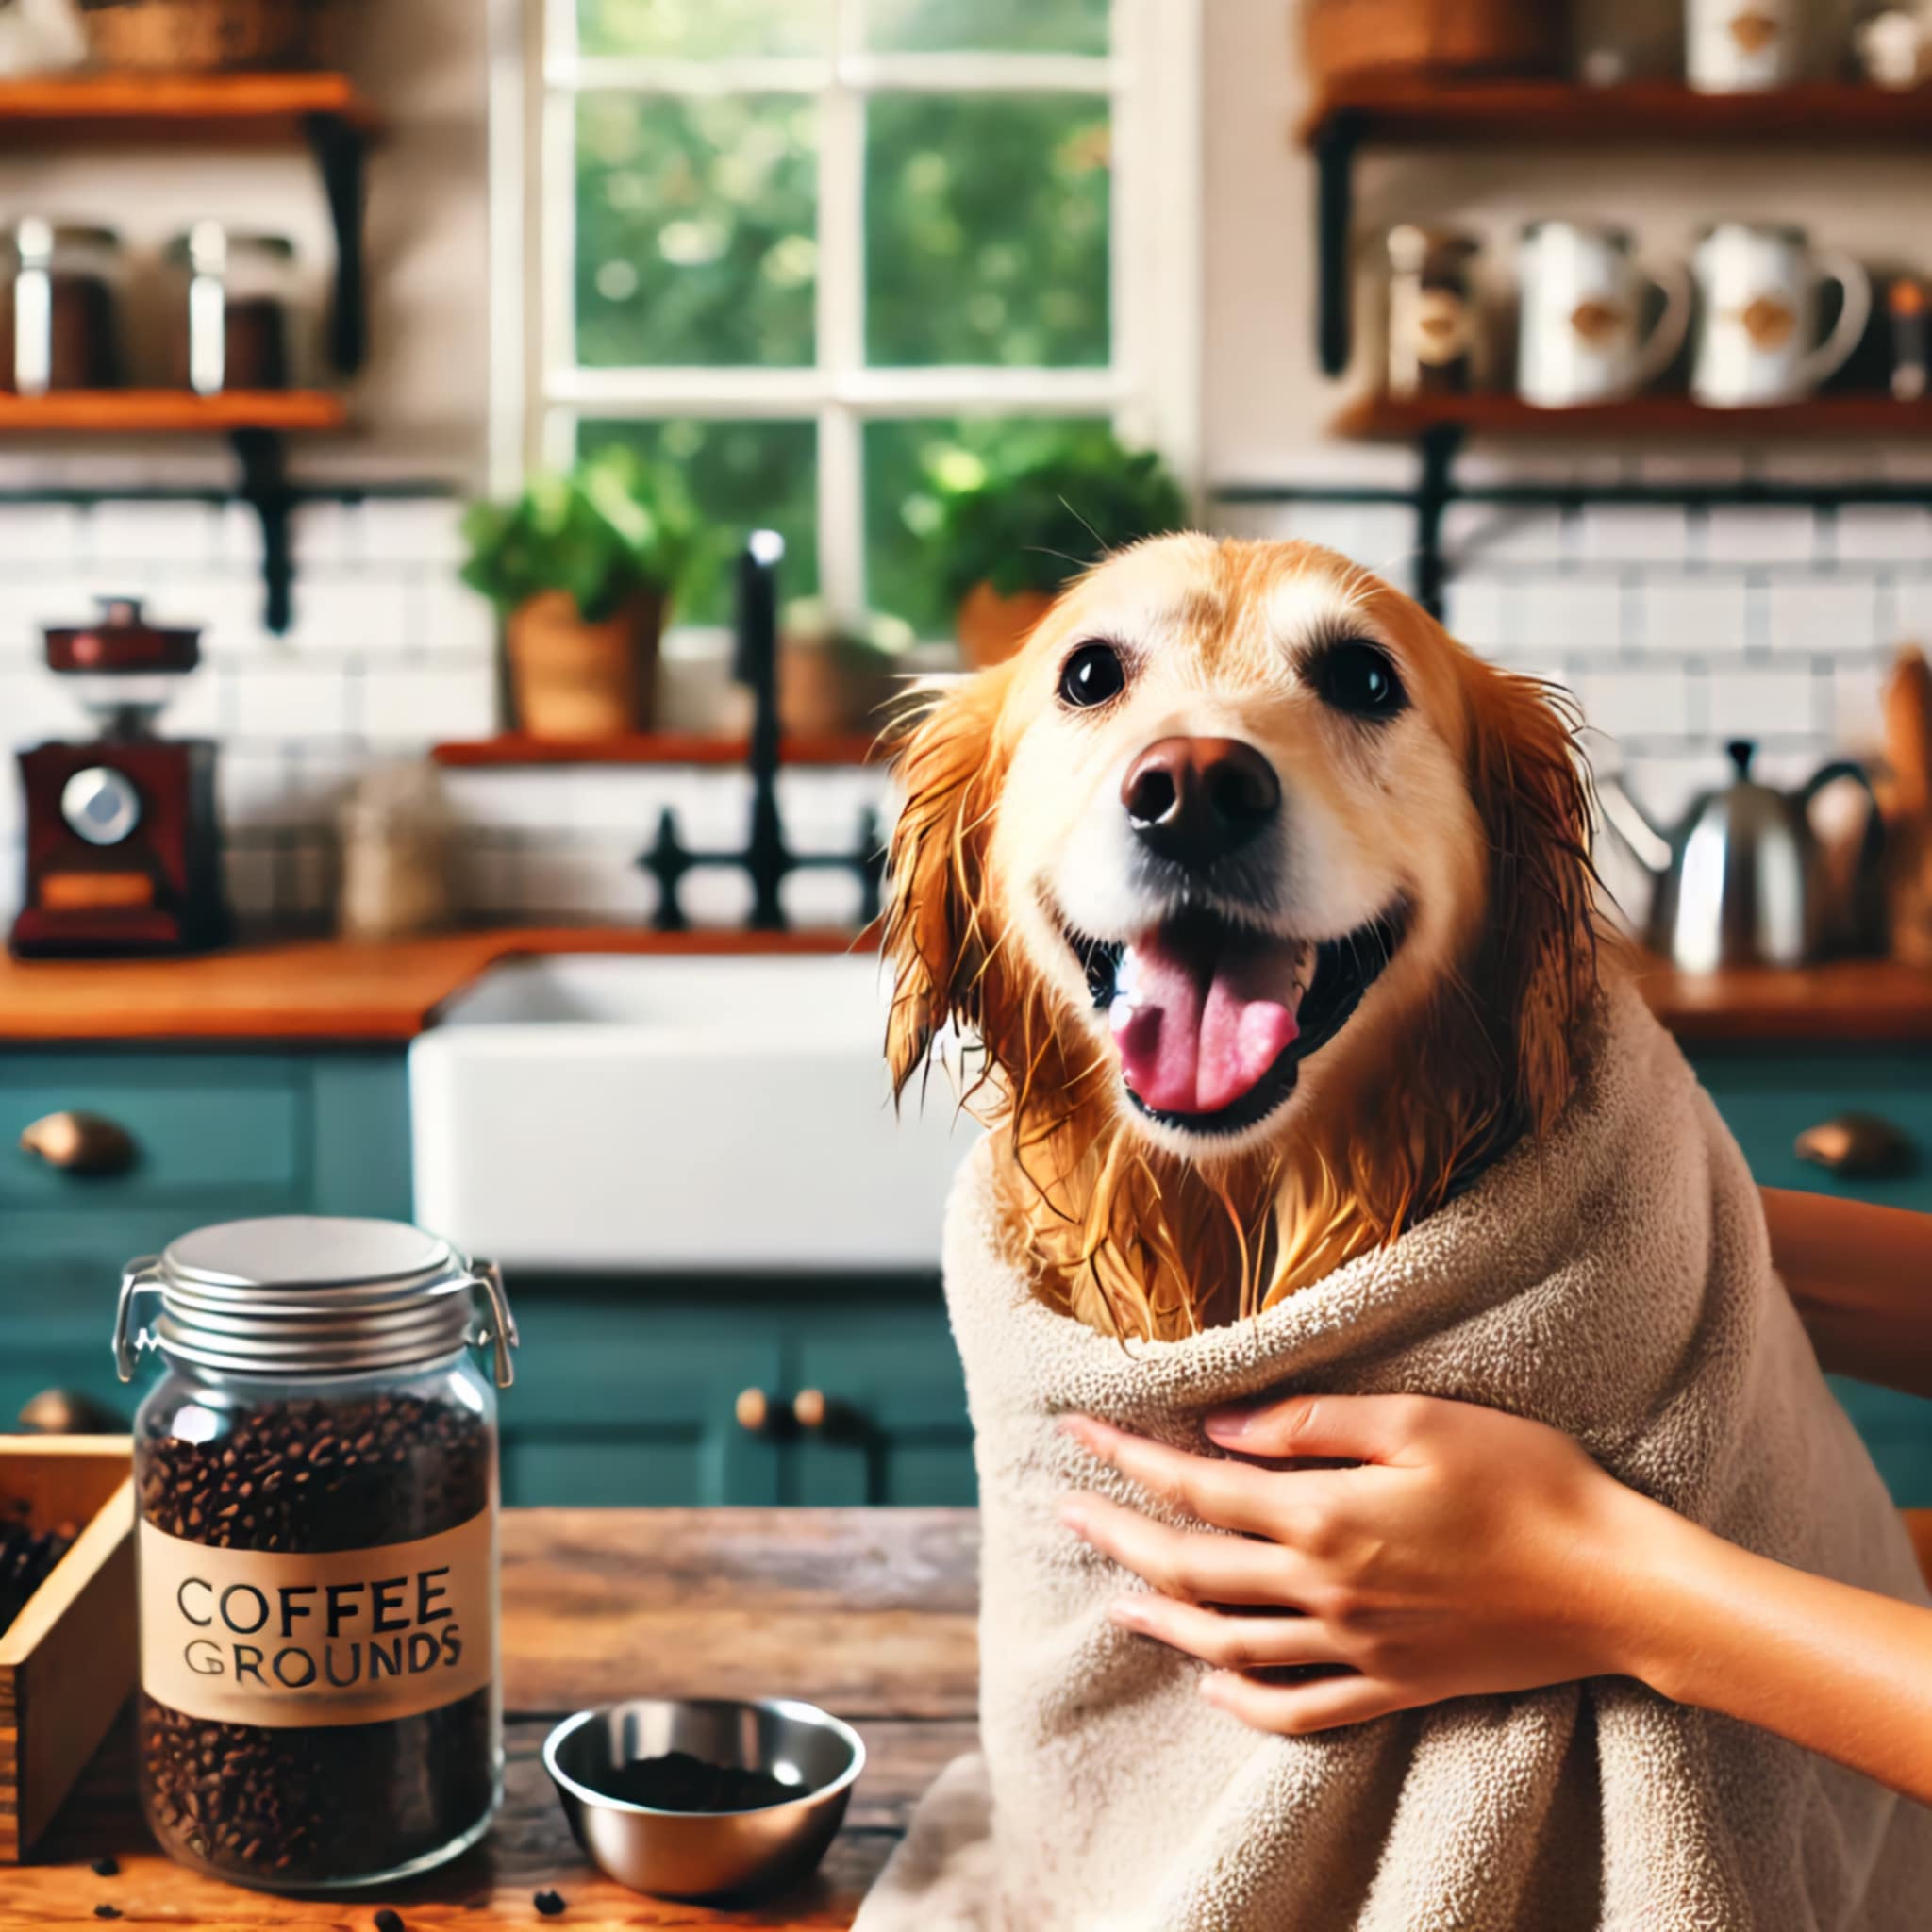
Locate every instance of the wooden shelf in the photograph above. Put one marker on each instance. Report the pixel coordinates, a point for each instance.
(169, 412)
(198, 108)
(1397, 108)
(651, 748)
(1391, 418)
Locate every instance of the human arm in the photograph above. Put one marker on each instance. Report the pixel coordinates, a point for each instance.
(1861, 1277)
(1476, 1552)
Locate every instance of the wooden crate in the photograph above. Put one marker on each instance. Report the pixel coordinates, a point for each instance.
(67, 1663)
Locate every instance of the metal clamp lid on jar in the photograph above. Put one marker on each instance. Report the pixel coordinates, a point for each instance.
(302, 1294)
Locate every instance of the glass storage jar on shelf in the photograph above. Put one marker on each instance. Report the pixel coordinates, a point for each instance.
(316, 1493)
(235, 304)
(60, 324)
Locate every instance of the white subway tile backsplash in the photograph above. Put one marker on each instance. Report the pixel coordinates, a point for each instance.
(1562, 617)
(1473, 611)
(1694, 615)
(1826, 615)
(1632, 533)
(362, 611)
(1857, 722)
(516, 799)
(182, 536)
(456, 619)
(1762, 701)
(1478, 533)
(33, 707)
(43, 536)
(420, 530)
(423, 703)
(1742, 534)
(1882, 533)
(1637, 700)
(1911, 611)
(286, 701)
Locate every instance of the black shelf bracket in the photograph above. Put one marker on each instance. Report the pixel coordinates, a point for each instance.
(342, 151)
(1435, 488)
(264, 487)
(1335, 145)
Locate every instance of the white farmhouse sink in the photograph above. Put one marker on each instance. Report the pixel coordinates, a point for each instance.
(642, 1112)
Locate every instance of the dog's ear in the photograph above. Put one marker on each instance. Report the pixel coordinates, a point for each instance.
(1536, 966)
(935, 934)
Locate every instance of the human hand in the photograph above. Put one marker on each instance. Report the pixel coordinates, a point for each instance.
(1473, 1552)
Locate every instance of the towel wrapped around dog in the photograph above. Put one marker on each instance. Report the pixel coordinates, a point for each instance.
(1614, 1281)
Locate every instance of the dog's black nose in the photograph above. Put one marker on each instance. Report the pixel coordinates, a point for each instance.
(1194, 800)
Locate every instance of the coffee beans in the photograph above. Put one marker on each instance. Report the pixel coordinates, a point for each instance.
(549, 1904)
(291, 1806)
(26, 1559)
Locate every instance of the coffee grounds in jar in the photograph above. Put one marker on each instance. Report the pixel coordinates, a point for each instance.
(289, 1806)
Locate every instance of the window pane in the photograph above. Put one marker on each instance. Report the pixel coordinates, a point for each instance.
(742, 476)
(903, 575)
(1017, 26)
(987, 229)
(695, 230)
(702, 29)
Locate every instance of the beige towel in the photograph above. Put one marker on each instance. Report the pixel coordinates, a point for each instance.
(1615, 1281)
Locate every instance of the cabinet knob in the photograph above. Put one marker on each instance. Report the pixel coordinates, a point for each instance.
(811, 1408)
(1860, 1146)
(753, 1410)
(88, 1144)
(70, 1412)
(819, 1414)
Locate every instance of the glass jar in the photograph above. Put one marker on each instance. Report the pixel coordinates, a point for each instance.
(316, 1497)
(236, 299)
(1434, 328)
(59, 327)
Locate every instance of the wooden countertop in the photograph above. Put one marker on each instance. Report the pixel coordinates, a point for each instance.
(349, 992)
(868, 1612)
(318, 992)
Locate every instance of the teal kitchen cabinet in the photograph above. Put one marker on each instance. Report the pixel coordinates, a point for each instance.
(216, 1135)
(690, 1392)
(1768, 1099)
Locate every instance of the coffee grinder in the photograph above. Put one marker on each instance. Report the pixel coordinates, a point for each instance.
(122, 846)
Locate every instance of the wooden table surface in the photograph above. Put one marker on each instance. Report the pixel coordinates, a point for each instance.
(868, 1612)
(367, 992)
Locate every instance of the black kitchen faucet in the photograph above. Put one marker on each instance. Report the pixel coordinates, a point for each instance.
(765, 857)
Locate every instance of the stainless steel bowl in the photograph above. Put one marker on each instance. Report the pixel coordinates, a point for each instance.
(699, 1854)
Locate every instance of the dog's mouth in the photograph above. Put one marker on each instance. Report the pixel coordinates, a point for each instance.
(1212, 1019)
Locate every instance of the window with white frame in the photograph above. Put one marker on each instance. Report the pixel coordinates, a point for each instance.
(815, 253)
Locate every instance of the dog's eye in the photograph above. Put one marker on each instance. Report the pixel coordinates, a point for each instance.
(1090, 676)
(1357, 677)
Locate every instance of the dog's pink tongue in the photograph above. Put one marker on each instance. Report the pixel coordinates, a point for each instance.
(1194, 1032)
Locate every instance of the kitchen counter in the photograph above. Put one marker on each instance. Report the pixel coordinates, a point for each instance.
(369, 993)
(868, 1612)
(340, 992)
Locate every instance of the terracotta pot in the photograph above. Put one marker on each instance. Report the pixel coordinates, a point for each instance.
(828, 688)
(573, 679)
(993, 627)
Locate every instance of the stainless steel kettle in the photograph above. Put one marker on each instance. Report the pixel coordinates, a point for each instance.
(1739, 881)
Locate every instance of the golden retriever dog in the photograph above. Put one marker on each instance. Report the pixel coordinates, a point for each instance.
(1267, 908)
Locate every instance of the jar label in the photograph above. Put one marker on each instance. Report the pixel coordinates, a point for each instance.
(348, 1636)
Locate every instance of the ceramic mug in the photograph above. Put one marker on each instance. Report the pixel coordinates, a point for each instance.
(1758, 341)
(1580, 338)
(1741, 46)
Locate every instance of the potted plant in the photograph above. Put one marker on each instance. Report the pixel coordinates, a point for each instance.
(582, 568)
(1010, 536)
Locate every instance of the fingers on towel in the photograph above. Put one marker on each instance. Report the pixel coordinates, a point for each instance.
(1191, 1564)
(1233, 1643)
(1293, 1710)
(1233, 1496)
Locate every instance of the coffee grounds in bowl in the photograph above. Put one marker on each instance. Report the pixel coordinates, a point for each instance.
(679, 1782)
